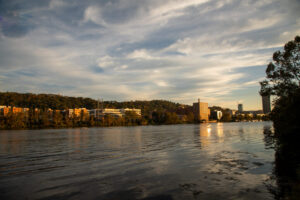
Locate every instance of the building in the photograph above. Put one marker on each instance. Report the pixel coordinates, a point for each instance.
(16, 110)
(260, 115)
(25, 110)
(216, 114)
(266, 103)
(112, 111)
(99, 113)
(77, 112)
(240, 108)
(4, 110)
(201, 111)
(137, 111)
(96, 113)
(232, 112)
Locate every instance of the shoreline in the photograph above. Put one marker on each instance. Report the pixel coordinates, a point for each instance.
(54, 128)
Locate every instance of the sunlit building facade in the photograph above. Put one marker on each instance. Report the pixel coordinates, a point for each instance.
(135, 110)
(77, 112)
(113, 112)
(201, 111)
(4, 110)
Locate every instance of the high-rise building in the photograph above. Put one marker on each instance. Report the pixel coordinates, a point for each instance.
(240, 107)
(266, 103)
(201, 111)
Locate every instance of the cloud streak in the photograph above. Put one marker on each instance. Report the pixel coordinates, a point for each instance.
(135, 49)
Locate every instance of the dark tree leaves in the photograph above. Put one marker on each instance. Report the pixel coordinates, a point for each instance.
(283, 74)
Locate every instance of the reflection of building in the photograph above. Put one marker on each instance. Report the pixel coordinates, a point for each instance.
(201, 111)
(240, 108)
(209, 133)
(266, 104)
(220, 130)
(202, 134)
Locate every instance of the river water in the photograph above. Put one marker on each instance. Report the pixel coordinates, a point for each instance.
(207, 161)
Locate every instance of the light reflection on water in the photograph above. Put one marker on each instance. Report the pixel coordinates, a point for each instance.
(207, 161)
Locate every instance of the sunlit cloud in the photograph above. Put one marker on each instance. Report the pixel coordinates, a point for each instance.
(133, 49)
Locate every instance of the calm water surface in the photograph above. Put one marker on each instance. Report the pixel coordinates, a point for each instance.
(207, 161)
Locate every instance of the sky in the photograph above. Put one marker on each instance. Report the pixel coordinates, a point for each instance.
(144, 49)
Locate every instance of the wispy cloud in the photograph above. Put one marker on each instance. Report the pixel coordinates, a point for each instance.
(138, 49)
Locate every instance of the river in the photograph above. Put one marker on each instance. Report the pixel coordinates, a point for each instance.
(202, 161)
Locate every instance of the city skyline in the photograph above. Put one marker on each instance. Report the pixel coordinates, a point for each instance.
(142, 50)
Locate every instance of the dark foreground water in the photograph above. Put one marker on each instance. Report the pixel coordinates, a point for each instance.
(207, 161)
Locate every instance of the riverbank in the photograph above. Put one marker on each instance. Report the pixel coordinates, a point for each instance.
(104, 126)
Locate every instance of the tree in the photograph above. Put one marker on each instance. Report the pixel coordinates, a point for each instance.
(190, 117)
(171, 118)
(91, 121)
(158, 117)
(57, 119)
(283, 74)
(283, 80)
(45, 119)
(68, 120)
(131, 118)
(226, 117)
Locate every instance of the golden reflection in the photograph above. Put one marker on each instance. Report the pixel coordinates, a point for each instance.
(204, 133)
(78, 138)
(113, 137)
(12, 142)
(138, 137)
(208, 131)
(220, 131)
(118, 137)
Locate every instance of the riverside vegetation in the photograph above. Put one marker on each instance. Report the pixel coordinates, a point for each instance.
(283, 81)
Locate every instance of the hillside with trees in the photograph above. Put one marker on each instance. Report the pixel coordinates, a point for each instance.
(59, 102)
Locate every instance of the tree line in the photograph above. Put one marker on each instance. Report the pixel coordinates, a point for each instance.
(59, 102)
(43, 119)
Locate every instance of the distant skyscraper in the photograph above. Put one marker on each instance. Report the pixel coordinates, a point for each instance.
(240, 107)
(266, 103)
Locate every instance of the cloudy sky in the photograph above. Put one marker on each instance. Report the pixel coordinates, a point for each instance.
(144, 49)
